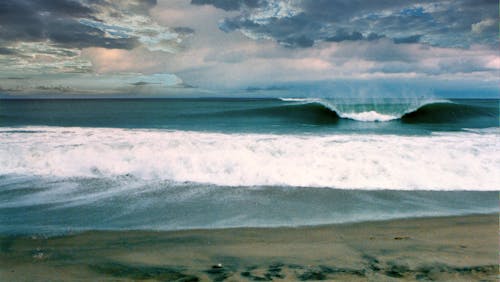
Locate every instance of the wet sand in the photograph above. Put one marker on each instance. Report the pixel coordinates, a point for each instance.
(460, 248)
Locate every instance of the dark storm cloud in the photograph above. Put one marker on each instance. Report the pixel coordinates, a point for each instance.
(299, 41)
(447, 24)
(342, 35)
(184, 30)
(341, 10)
(229, 5)
(17, 11)
(408, 39)
(82, 36)
(132, 6)
(7, 51)
(297, 31)
(57, 21)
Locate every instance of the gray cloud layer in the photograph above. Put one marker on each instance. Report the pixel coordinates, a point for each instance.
(302, 23)
(57, 21)
(216, 44)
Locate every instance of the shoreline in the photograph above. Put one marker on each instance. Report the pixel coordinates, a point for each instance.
(76, 232)
(454, 248)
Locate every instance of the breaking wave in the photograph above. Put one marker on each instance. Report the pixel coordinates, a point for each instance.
(445, 161)
(433, 111)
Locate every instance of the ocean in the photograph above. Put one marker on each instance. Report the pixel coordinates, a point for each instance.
(70, 165)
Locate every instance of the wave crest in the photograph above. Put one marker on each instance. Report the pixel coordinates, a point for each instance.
(430, 111)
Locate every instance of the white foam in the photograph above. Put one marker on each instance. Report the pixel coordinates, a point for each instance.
(297, 99)
(448, 161)
(488, 130)
(368, 116)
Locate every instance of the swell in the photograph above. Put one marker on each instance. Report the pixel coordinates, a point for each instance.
(316, 113)
(447, 112)
(196, 114)
(426, 112)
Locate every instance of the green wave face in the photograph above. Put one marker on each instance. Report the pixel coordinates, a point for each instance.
(441, 111)
(448, 112)
(305, 115)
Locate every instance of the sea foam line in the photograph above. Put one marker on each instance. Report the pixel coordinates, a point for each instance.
(448, 161)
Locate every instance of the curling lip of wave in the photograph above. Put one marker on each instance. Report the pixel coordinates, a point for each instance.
(370, 115)
(425, 111)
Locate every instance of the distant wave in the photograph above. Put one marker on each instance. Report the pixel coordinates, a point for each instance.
(445, 161)
(299, 112)
(432, 111)
(370, 115)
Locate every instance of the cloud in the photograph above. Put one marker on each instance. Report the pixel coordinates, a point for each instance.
(108, 24)
(228, 5)
(408, 39)
(152, 46)
(7, 51)
(51, 88)
(118, 60)
(31, 20)
(132, 20)
(41, 57)
(342, 35)
(52, 36)
(101, 84)
(77, 35)
(305, 23)
(184, 30)
(140, 83)
(238, 67)
(484, 25)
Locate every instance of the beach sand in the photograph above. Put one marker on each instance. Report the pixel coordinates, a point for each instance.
(459, 248)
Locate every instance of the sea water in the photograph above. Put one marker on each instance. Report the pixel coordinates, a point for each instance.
(169, 164)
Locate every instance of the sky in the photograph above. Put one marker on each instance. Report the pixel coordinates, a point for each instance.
(162, 48)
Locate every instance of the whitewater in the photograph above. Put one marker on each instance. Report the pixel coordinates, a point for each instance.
(372, 112)
(466, 160)
(175, 164)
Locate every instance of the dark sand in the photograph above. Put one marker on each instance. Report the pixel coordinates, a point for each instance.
(461, 248)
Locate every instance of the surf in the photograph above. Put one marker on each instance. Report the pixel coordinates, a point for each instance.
(441, 161)
(427, 111)
(297, 115)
